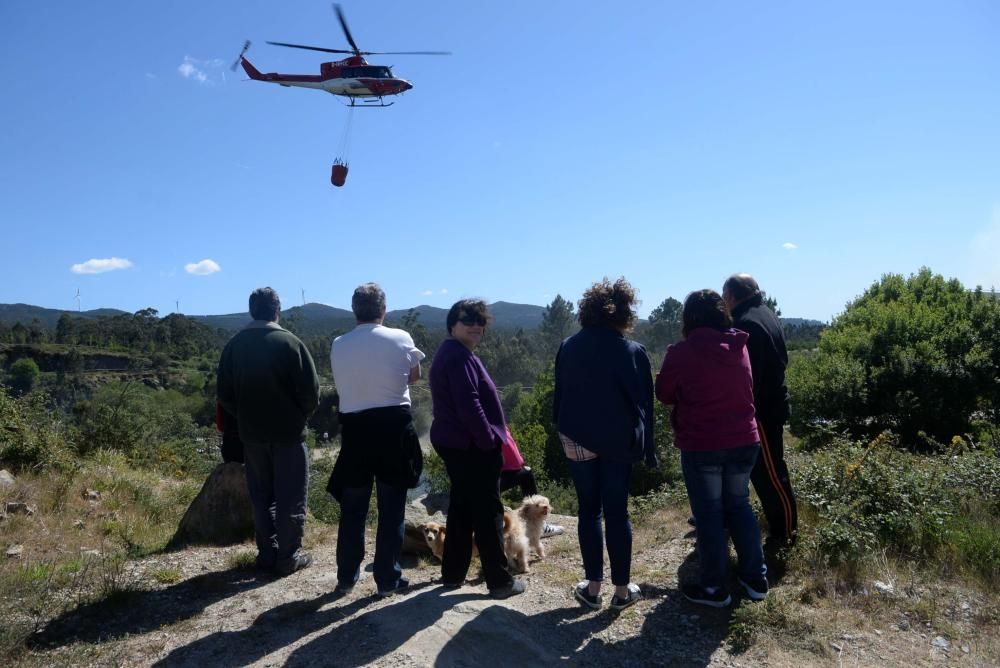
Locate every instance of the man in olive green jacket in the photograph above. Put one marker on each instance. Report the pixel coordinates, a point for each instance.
(268, 380)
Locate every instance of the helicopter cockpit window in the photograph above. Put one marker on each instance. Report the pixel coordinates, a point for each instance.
(370, 72)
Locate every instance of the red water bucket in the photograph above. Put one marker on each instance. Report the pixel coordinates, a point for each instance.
(339, 174)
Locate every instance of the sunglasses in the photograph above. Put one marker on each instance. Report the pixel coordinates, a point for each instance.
(473, 320)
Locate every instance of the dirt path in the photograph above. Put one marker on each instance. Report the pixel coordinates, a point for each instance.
(220, 616)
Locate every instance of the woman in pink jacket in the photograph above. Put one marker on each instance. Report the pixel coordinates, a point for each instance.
(706, 378)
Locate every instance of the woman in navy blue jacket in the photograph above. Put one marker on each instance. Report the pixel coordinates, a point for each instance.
(603, 408)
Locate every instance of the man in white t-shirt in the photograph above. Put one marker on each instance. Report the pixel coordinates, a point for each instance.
(373, 367)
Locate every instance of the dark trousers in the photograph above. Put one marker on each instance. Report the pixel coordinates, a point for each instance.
(602, 489)
(770, 481)
(474, 510)
(388, 537)
(277, 478)
(522, 477)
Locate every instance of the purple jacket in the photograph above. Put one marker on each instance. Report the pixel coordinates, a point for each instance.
(707, 379)
(467, 410)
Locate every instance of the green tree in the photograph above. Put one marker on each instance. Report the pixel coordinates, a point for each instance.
(558, 322)
(919, 356)
(410, 322)
(24, 374)
(665, 324)
(65, 329)
(771, 303)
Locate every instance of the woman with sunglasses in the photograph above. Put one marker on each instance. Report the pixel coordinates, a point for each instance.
(468, 432)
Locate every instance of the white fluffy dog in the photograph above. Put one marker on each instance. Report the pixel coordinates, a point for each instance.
(533, 512)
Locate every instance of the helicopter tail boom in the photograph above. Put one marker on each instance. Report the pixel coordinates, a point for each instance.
(252, 71)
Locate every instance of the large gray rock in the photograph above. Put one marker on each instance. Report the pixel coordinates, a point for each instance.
(6, 478)
(423, 509)
(221, 514)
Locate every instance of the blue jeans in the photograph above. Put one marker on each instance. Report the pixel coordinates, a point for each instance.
(718, 485)
(388, 536)
(602, 488)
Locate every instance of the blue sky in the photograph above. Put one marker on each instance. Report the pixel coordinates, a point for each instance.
(674, 143)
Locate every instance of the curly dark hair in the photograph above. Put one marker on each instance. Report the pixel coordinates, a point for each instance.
(705, 308)
(464, 307)
(608, 304)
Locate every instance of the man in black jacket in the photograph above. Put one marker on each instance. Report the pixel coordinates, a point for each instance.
(268, 380)
(768, 359)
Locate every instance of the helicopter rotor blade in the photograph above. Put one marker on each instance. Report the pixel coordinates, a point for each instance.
(246, 46)
(311, 48)
(407, 53)
(347, 31)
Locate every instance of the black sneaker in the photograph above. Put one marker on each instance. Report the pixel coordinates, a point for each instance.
(756, 588)
(513, 589)
(580, 594)
(715, 597)
(401, 585)
(299, 560)
(634, 595)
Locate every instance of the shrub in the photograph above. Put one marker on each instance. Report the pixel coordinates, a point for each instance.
(152, 428)
(24, 374)
(435, 473)
(31, 435)
(323, 506)
(864, 499)
(911, 355)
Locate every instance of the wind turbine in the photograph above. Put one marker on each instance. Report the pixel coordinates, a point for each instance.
(303, 296)
(77, 300)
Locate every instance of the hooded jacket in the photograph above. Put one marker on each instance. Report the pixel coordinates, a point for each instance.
(707, 379)
(768, 357)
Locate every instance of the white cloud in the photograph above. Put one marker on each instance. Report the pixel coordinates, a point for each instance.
(788, 245)
(427, 293)
(203, 268)
(444, 291)
(99, 266)
(189, 70)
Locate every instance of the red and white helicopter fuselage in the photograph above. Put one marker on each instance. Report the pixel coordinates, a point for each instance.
(351, 77)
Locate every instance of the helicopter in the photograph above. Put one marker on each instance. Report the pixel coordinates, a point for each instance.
(364, 84)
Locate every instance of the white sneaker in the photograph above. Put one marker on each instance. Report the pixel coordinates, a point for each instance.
(552, 530)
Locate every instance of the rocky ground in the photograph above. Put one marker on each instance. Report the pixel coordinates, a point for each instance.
(218, 613)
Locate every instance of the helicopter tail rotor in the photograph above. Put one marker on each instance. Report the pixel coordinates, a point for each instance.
(246, 47)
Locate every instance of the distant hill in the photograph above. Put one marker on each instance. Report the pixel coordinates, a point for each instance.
(309, 320)
(25, 313)
(802, 322)
(319, 319)
(313, 318)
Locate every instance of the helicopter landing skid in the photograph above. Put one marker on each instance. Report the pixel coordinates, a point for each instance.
(369, 105)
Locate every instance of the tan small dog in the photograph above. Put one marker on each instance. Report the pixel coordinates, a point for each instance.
(515, 541)
(534, 511)
(434, 535)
